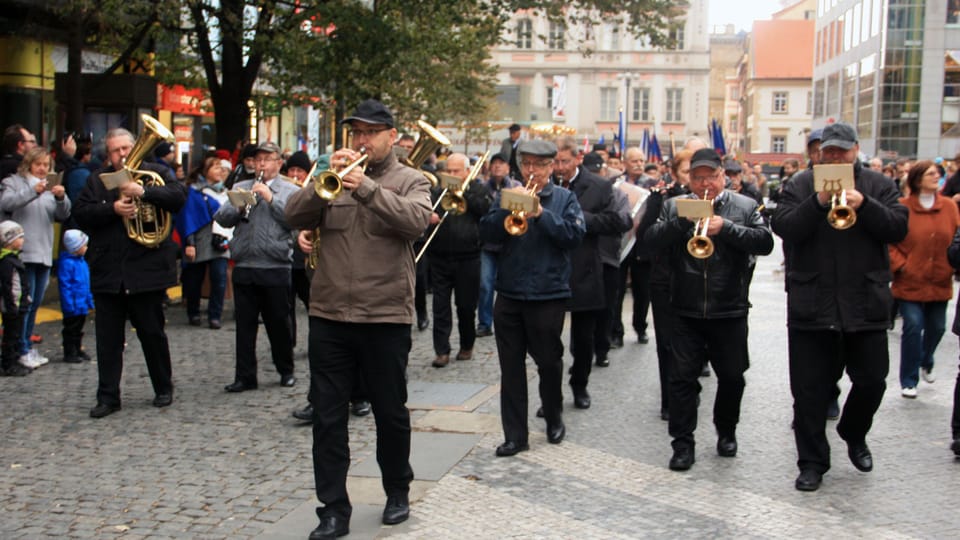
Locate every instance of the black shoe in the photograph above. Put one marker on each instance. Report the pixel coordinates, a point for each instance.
(72, 359)
(305, 414)
(616, 342)
(331, 527)
(682, 459)
(215, 324)
(360, 408)
(833, 411)
(288, 380)
(397, 509)
(555, 431)
(603, 362)
(83, 354)
(423, 323)
(511, 448)
(956, 447)
(540, 412)
(809, 480)
(163, 400)
(860, 456)
(483, 331)
(239, 386)
(581, 399)
(16, 370)
(665, 414)
(727, 446)
(102, 409)
(643, 339)
(705, 372)
(195, 320)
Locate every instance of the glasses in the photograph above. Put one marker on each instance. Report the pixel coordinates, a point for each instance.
(702, 179)
(542, 164)
(365, 132)
(264, 160)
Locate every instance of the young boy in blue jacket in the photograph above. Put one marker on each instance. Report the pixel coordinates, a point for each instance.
(76, 300)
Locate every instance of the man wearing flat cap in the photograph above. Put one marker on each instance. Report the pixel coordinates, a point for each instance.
(361, 309)
(533, 286)
(838, 303)
(709, 297)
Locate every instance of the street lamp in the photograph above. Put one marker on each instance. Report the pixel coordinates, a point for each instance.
(627, 77)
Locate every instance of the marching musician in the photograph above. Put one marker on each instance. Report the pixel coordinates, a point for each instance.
(262, 252)
(838, 303)
(361, 310)
(533, 286)
(709, 296)
(128, 279)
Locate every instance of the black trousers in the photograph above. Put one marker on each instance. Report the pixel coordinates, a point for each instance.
(72, 333)
(583, 328)
(299, 288)
(663, 324)
(955, 420)
(10, 343)
(535, 328)
(145, 311)
(724, 343)
(339, 353)
(639, 272)
(611, 287)
(460, 277)
(421, 284)
(250, 302)
(817, 361)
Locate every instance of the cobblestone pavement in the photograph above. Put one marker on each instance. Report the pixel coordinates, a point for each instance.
(218, 465)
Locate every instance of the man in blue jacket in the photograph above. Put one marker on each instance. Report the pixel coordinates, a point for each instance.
(533, 285)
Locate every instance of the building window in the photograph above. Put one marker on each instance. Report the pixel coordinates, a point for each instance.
(676, 35)
(608, 104)
(674, 105)
(818, 98)
(524, 34)
(550, 97)
(555, 40)
(778, 144)
(640, 108)
(611, 37)
(780, 103)
(809, 103)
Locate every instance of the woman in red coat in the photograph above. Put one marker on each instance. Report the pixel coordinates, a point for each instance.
(922, 275)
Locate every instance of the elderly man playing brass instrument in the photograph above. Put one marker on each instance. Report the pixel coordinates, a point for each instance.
(711, 260)
(361, 309)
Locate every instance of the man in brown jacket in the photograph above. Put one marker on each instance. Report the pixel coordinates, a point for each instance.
(361, 309)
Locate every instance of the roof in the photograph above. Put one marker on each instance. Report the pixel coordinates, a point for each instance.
(782, 49)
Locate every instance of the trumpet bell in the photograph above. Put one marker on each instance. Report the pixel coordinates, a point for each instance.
(515, 224)
(700, 247)
(453, 203)
(328, 185)
(842, 217)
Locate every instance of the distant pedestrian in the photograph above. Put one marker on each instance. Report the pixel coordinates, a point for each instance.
(12, 295)
(76, 300)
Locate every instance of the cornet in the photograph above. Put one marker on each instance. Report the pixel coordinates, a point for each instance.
(701, 246)
(329, 183)
(516, 223)
(841, 216)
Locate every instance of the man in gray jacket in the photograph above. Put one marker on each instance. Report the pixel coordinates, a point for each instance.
(262, 248)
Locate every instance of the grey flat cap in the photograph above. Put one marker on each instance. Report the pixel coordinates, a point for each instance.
(538, 148)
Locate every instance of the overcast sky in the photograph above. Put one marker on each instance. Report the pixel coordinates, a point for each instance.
(741, 13)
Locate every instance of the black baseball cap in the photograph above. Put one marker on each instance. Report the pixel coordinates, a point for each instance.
(501, 157)
(732, 166)
(705, 157)
(593, 162)
(840, 135)
(371, 111)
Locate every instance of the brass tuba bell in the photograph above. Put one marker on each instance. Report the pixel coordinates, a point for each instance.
(429, 141)
(150, 226)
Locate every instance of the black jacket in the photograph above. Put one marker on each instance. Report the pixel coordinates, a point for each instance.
(839, 280)
(716, 287)
(953, 255)
(459, 235)
(601, 216)
(117, 263)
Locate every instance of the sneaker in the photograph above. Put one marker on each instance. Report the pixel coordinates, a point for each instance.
(910, 393)
(39, 358)
(927, 375)
(28, 361)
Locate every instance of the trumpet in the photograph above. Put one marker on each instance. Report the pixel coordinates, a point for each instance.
(453, 203)
(516, 223)
(700, 246)
(841, 216)
(329, 183)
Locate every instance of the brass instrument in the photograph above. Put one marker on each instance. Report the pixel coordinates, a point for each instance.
(245, 213)
(329, 183)
(516, 222)
(429, 141)
(453, 203)
(314, 257)
(701, 246)
(150, 226)
(841, 216)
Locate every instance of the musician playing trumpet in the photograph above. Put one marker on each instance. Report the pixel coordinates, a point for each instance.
(709, 296)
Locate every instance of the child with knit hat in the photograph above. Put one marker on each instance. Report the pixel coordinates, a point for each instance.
(76, 300)
(11, 296)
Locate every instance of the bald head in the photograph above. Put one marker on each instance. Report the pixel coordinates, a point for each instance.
(694, 143)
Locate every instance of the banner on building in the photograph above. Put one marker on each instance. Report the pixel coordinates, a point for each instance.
(559, 104)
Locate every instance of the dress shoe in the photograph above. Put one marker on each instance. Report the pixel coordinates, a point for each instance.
(195, 320)
(616, 342)
(727, 446)
(288, 380)
(809, 480)
(705, 372)
(665, 414)
(833, 411)
(215, 324)
(483, 331)
(956, 447)
(360, 408)
(603, 362)
(397, 509)
(102, 409)
(83, 354)
(423, 323)
(163, 400)
(331, 527)
(540, 412)
(860, 456)
(581, 399)
(465, 354)
(511, 448)
(441, 360)
(555, 431)
(643, 339)
(72, 359)
(682, 459)
(239, 386)
(305, 414)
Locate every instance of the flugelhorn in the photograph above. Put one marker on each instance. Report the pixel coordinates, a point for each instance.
(701, 246)
(516, 223)
(329, 183)
(841, 216)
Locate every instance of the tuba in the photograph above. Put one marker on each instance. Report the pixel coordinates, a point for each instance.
(150, 226)
(429, 141)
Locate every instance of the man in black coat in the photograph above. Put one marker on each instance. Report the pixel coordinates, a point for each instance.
(838, 303)
(709, 297)
(602, 218)
(128, 279)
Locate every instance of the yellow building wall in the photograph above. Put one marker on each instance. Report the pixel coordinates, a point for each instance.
(26, 63)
